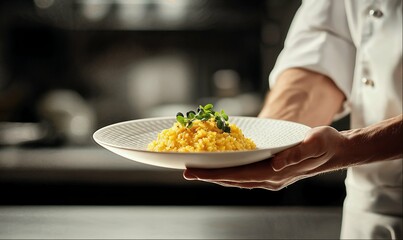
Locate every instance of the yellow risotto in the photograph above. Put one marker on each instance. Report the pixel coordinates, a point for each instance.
(202, 136)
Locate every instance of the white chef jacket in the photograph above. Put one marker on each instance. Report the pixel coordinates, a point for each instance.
(358, 44)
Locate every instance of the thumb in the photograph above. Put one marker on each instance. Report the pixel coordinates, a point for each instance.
(310, 147)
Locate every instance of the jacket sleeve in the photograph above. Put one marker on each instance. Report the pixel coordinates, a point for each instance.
(319, 40)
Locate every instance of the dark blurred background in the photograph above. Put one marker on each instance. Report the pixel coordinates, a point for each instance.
(69, 67)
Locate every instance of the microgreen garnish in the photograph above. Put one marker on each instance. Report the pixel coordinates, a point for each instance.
(205, 113)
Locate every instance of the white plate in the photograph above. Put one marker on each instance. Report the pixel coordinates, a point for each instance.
(130, 139)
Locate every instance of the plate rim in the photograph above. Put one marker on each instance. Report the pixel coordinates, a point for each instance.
(191, 153)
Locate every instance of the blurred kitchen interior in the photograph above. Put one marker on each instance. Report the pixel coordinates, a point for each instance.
(69, 67)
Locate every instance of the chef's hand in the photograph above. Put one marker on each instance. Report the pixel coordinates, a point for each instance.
(319, 152)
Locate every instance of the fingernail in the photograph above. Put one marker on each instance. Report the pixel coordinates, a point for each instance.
(276, 167)
(279, 161)
(189, 176)
(277, 164)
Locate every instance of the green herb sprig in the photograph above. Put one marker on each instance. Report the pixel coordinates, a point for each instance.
(205, 113)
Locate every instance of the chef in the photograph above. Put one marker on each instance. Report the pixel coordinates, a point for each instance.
(339, 57)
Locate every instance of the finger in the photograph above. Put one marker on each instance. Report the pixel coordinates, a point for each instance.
(251, 185)
(268, 185)
(275, 184)
(260, 171)
(244, 185)
(189, 176)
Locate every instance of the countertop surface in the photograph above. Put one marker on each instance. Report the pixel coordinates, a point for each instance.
(92, 175)
(168, 222)
(16, 162)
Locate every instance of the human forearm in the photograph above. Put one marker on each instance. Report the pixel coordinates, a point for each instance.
(378, 142)
(303, 96)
